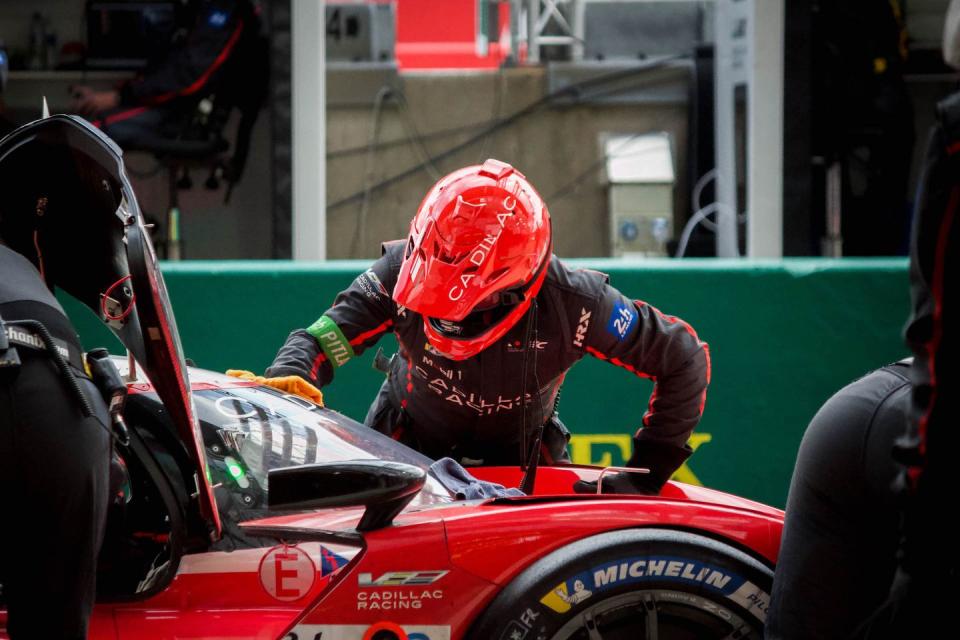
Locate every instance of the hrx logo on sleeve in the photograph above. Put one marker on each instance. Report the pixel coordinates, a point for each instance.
(582, 328)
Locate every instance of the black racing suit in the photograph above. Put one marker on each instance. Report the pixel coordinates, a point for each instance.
(925, 588)
(840, 546)
(838, 555)
(218, 43)
(54, 467)
(470, 409)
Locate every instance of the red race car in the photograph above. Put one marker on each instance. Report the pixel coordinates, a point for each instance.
(241, 512)
(346, 565)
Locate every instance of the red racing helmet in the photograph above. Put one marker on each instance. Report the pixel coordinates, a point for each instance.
(476, 257)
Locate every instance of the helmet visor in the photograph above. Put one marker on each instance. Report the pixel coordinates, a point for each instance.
(488, 313)
(476, 323)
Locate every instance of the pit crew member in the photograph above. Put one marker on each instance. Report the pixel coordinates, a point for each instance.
(55, 447)
(859, 508)
(489, 322)
(838, 552)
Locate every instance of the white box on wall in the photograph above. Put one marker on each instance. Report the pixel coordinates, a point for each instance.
(641, 181)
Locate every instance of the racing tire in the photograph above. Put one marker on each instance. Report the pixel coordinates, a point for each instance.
(641, 584)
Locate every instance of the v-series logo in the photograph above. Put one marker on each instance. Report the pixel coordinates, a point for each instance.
(400, 578)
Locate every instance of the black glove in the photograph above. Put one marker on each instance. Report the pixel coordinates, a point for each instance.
(660, 458)
(620, 482)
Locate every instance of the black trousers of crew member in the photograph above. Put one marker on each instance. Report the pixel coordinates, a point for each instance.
(54, 484)
(838, 552)
(925, 590)
(390, 420)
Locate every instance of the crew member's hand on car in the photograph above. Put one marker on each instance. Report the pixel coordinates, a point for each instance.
(621, 482)
(290, 384)
(660, 458)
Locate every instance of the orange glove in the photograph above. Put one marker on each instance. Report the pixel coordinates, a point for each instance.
(289, 384)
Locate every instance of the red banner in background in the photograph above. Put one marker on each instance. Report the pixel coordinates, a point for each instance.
(434, 34)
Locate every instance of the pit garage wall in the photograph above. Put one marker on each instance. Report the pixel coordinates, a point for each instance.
(554, 137)
(783, 337)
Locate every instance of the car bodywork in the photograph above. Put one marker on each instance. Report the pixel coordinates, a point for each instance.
(429, 574)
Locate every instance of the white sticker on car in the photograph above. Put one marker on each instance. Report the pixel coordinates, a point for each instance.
(752, 598)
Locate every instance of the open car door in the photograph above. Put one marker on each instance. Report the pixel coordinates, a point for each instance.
(68, 206)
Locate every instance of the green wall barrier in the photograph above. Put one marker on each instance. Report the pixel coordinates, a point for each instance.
(783, 337)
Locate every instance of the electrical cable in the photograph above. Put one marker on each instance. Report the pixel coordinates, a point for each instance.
(414, 137)
(440, 133)
(413, 134)
(575, 90)
(498, 80)
(530, 474)
(571, 186)
(361, 225)
(106, 296)
(527, 333)
(701, 212)
(698, 191)
(398, 142)
(698, 217)
(66, 373)
(612, 92)
(36, 245)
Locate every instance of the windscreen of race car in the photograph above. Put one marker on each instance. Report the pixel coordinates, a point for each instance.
(250, 430)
